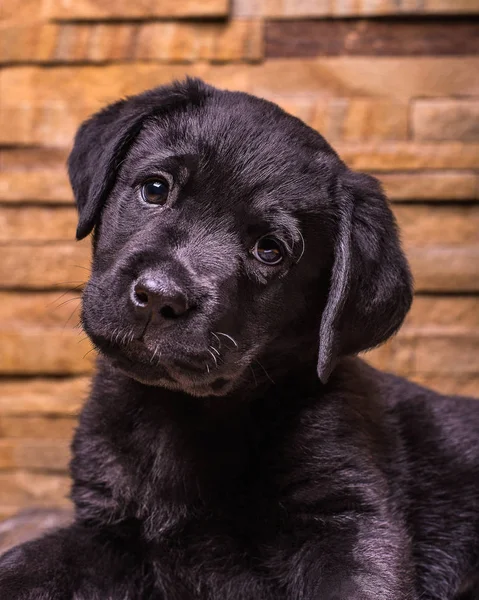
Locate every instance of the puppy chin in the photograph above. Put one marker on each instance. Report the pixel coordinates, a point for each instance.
(175, 379)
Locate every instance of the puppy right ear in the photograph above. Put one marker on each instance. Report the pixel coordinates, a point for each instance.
(100, 146)
(103, 141)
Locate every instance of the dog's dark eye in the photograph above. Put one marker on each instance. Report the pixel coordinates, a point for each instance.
(155, 191)
(268, 250)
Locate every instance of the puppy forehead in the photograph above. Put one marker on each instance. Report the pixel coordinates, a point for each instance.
(239, 133)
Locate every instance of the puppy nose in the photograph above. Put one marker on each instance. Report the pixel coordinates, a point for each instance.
(160, 298)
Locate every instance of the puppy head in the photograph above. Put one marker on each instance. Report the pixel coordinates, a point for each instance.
(228, 236)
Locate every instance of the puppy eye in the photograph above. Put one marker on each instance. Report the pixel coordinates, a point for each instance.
(268, 250)
(155, 191)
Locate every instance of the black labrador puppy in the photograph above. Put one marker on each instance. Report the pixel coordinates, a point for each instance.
(233, 448)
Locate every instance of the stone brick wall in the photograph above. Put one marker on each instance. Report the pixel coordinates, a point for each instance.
(393, 85)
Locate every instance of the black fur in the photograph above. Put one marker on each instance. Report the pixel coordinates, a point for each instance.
(210, 461)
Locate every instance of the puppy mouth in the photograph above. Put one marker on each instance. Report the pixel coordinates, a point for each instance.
(200, 372)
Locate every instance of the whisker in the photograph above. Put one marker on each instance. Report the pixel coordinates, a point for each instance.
(64, 294)
(227, 336)
(214, 357)
(91, 350)
(215, 351)
(265, 371)
(217, 338)
(71, 315)
(80, 267)
(67, 301)
(207, 367)
(254, 376)
(154, 354)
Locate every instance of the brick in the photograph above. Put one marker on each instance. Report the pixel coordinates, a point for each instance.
(400, 156)
(26, 160)
(463, 385)
(36, 427)
(90, 87)
(443, 311)
(33, 10)
(306, 38)
(124, 9)
(440, 225)
(51, 123)
(56, 100)
(20, 10)
(430, 186)
(236, 40)
(51, 185)
(351, 119)
(37, 396)
(23, 488)
(415, 352)
(446, 120)
(285, 9)
(40, 309)
(59, 266)
(35, 454)
(45, 351)
(37, 224)
(22, 41)
(443, 269)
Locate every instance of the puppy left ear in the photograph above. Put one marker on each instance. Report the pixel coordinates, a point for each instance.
(370, 288)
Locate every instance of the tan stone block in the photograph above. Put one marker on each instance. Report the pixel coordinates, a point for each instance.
(416, 352)
(40, 309)
(36, 427)
(430, 186)
(464, 385)
(383, 120)
(90, 87)
(24, 488)
(440, 225)
(161, 41)
(443, 311)
(27, 42)
(45, 351)
(35, 224)
(400, 156)
(124, 9)
(32, 396)
(443, 269)
(35, 454)
(59, 266)
(26, 160)
(304, 108)
(177, 42)
(353, 119)
(51, 185)
(7, 452)
(51, 123)
(453, 353)
(283, 9)
(22, 10)
(452, 6)
(449, 119)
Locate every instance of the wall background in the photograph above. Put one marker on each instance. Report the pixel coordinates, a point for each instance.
(392, 84)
